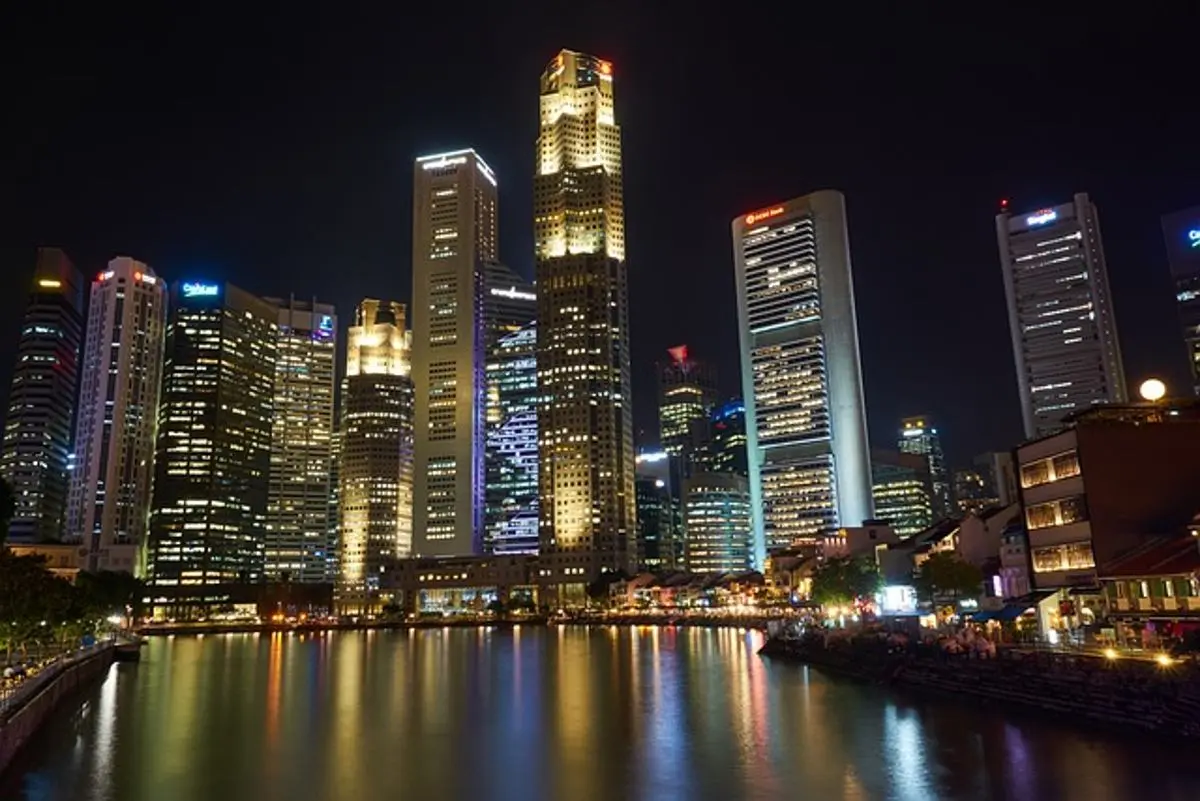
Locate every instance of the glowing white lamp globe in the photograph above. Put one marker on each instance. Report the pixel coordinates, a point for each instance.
(1152, 390)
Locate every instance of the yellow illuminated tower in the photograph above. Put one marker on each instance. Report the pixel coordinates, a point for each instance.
(586, 479)
(375, 470)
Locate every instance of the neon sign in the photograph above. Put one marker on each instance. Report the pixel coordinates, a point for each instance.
(765, 214)
(1041, 217)
(1194, 238)
(514, 294)
(195, 290)
(326, 323)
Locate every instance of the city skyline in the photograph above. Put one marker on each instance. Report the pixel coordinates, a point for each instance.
(952, 251)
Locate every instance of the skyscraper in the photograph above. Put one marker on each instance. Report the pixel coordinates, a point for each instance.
(902, 490)
(687, 393)
(659, 513)
(806, 427)
(213, 466)
(585, 418)
(725, 451)
(454, 239)
(1060, 312)
(300, 519)
(121, 376)
(37, 428)
(511, 512)
(717, 521)
(375, 469)
(918, 436)
(1182, 233)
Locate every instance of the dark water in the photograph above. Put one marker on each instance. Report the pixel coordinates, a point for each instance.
(559, 713)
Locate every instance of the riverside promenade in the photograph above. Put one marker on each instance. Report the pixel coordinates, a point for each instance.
(24, 706)
(1133, 695)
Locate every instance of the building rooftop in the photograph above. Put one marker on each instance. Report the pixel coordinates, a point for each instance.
(1165, 556)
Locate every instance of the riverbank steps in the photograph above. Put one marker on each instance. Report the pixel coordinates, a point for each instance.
(1132, 695)
(22, 721)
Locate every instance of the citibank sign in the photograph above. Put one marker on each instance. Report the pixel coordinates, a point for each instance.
(765, 214)
(1042, 217)
(194, 290)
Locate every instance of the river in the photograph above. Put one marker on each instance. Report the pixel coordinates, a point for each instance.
(550, 713)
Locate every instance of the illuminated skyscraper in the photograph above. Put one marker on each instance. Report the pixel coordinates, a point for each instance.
(902, 490)
(687, 393)
(454, 239)
(918, 436)
(512, 443)
(806, 427)
(585, 418)
(717, 523)
(725, 450)
(37, 429)
(659, 513)
(121, 374)
(213, 466)
(1060, 313)
(375, 469)
(300, 519)
(1182, 233)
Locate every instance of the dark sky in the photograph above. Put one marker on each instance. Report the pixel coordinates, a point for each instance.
(274, 149)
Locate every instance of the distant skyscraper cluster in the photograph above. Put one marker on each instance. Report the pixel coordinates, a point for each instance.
(194, 434)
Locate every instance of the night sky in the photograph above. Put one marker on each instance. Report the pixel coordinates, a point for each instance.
(275, 150)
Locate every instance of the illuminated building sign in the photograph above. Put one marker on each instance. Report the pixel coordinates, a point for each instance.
(765, 214)
(1194, 238)
(1041, 217)
(326, 323)
(652, 457)
(513, 294)
(195, 290)
(678, 354)
(49, 283)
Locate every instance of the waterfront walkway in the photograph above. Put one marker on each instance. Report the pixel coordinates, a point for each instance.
(16, 691)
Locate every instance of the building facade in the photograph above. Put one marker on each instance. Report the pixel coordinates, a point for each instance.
(301, 520)
(902, 490)
(587, 518)
(213, 463)
(918, 436)
(454, 238)
(725, 450)
(512, 433)
(806, 427)
(117, 420)
(659, 513)
(973, 491)
(1060, 313)
(38, 431)
(376, 455)
(1182, 233)
(687, 393)
(717, 523)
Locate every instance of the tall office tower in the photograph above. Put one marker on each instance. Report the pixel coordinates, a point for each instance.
(806, 425)
(687, 393)
(375, 470)
(725, 451)
(585, 418)
(213, 466)
(299, 544)
(1060, 312)
(902, 490)
(37, 430)
(717, 520)
(659, 537)
(918, 436)
(1182, 232)
(973, 492)
(120, 379)
(454, 239)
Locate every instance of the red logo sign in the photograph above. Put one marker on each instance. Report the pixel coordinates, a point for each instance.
(765, 214)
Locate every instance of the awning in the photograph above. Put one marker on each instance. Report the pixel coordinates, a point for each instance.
(1031, 599)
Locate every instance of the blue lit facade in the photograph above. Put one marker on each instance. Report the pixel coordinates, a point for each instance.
(1182, 233)
(512, 444)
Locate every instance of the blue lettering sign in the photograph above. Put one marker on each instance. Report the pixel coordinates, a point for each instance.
(1042, 217)
(1194, 237)
(194, 290)
(326, 322)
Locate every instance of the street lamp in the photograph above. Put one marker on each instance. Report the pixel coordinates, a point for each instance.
(1152, 390)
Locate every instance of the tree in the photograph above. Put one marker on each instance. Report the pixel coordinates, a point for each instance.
(34, 603)
(945, 575)
(841, 581)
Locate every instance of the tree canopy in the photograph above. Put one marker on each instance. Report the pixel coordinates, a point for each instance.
(843, 580)
(945, 575)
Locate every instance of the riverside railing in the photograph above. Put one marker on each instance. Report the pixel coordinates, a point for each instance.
(14, 694)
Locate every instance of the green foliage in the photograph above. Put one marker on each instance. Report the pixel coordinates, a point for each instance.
(945, 575)
(842, 580)
(38, 609)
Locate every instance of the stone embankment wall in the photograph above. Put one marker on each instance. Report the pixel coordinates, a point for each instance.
(1133, 695)
(22, 722)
